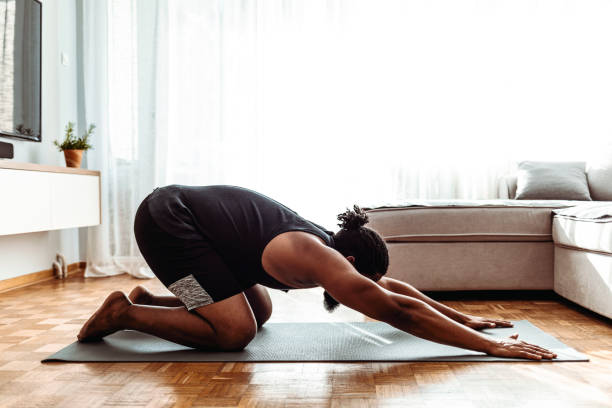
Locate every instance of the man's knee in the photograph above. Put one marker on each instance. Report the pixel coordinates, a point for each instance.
(263, 316)
(236, 338)
(260, 303)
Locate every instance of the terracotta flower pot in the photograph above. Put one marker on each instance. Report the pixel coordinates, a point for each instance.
(73, 157)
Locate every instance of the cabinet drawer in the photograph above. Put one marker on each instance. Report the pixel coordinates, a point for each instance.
(75, 200)
(24, 203)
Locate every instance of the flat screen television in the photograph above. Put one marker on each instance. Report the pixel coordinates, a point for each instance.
(20, 69)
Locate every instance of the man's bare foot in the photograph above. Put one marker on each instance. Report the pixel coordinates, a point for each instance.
(141, 295)
(106, 319)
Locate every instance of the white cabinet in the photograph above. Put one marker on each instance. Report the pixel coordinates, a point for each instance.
(42, 198)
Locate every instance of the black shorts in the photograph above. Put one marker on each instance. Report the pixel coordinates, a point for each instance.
(190, 268)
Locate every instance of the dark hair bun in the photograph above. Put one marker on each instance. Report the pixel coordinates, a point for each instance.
(353, 219)
(329, 302)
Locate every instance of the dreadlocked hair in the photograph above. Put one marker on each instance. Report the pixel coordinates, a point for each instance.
(364, 244)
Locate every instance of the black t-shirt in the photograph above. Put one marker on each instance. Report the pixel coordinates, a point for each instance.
(236, 221)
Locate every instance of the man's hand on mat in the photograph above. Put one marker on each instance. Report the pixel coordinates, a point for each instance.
(512, 347)
(478, 323)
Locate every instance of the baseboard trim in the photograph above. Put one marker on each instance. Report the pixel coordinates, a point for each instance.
(37, 277)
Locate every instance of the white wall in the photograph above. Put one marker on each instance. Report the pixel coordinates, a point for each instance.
(26, 253)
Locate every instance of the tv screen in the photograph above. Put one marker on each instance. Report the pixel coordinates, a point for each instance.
(20, 60)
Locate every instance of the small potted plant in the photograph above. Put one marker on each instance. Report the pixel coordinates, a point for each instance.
(73, 146)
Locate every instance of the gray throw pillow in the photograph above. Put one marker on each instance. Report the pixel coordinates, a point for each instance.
(552, 181)
(599, 173)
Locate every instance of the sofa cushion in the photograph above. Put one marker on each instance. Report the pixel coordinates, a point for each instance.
(460, 220)
(552, 181)
(584, 227)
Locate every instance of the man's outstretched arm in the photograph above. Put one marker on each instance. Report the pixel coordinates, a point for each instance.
(475, 322)
(418, 318)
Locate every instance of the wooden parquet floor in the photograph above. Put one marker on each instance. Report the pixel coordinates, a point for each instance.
(38, 320)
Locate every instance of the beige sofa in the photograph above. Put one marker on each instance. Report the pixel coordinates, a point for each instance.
(505, 244)
(583, 255)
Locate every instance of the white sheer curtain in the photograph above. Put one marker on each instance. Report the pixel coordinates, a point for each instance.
(117, 99)
(325, 103)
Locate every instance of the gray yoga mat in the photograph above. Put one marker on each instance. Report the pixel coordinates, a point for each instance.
(363, 341)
